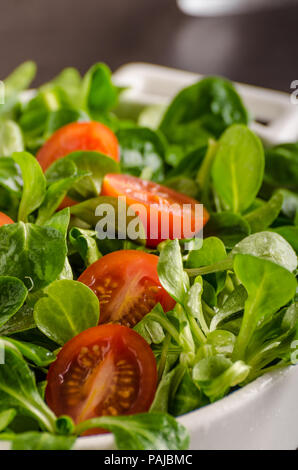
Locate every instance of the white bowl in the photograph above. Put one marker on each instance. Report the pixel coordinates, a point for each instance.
(262, 415)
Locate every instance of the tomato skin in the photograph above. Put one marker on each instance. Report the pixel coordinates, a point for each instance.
(100, 388)
(4, 219)
(156, 200)
(92, 136)
(126, 278)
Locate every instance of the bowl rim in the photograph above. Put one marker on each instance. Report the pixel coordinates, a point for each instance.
(208, 413)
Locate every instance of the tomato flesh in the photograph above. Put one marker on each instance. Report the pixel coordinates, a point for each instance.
(91, 136)
(161, 206)
(4, 219)
(107, 370)
(127, 285)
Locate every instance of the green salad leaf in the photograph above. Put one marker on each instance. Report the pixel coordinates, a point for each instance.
(238, 168)
(18, 388)
(142, 432)
(142, 152)
(170, 270)
(33, 254)
(13, 294)
(269, 287)
(68, 308)
(34, 182)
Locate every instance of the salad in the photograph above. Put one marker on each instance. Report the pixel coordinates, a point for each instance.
(125, 333)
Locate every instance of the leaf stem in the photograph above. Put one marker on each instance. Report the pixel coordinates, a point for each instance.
(223, 265)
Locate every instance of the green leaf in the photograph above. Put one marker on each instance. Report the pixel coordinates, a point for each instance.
(203, 176)
(189, 165)
(262, 217)
(270, 246)
(194, 310)
(181, 321)
(6, 417)
(34, 184)
(60, 221)
(269, 287)
(231, 309)
(42, 441)
(33, 254)
(18, 388)
(151, 331)
(212, 104)
(61, 169)
(170, 270)
(161, 400)
(282, 166)
(274, 340)
(95, 164)
(40, 356)
(99, 93)
(84, 242)
(187, 398)
(55, 194)
(11, 139)
(13, 294)
(69, 308)
(148, 431)
(10, 176)
(21, 321)
(142, 149)
(216, 375)
(222, 342)
(183, 185)
(176, 324)
(36, 112)
(20, 78)
(229, 227)
(16, 82)
(238, 168)
(70, 81)
(212, 251)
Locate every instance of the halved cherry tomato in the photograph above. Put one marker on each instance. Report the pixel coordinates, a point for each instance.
(105, 370)
(4, 219)
(166, 213)
(78, 136)
(127, 286)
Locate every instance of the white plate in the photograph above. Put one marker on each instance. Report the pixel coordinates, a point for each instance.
(262, 415)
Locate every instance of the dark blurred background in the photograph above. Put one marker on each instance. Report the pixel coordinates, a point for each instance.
(258, 48)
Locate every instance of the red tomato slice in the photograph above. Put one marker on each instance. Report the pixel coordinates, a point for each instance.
(159, 204)
(127, 285)
(4, 219)
(107, 370)
(78, 136)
